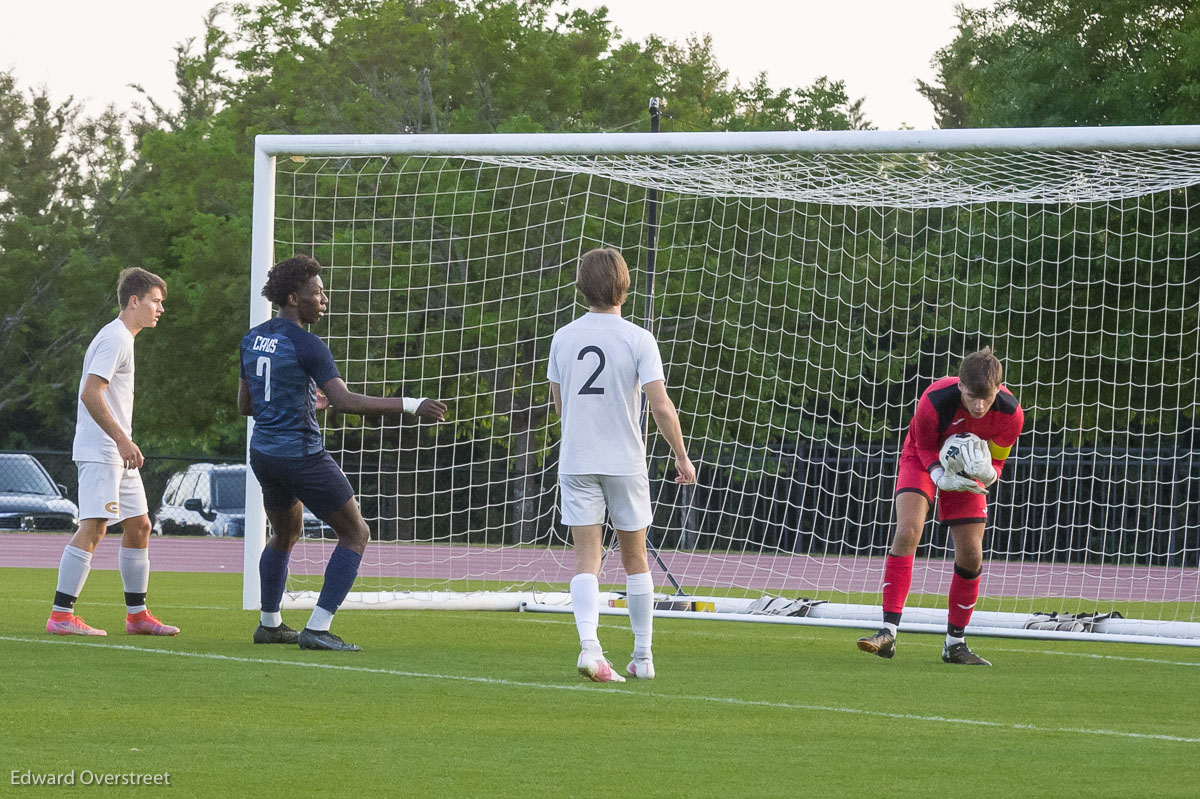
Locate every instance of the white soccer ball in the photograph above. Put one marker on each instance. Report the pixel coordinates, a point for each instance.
(961, 453)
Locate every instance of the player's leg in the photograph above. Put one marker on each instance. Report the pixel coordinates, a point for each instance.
(582, 501)
(964, 592)
(628, 500)
(639, 596)
(134, 558)
(324, 490)
(912, 509)
(287, 525)
(99, 492)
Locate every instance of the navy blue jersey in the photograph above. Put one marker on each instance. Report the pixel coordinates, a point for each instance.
(284, 364)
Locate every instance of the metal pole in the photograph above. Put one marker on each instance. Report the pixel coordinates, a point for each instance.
(652, 203)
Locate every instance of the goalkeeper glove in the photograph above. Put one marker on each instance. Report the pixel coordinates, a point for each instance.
(977, 461)
(984, 472)
(946, 481)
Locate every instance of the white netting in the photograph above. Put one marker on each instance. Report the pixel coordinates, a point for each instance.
(801, 303)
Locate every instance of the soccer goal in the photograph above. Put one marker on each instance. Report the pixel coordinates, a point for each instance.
(804, 289)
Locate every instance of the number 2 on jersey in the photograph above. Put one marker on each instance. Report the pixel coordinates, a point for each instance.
(588, 388)
(264, 370)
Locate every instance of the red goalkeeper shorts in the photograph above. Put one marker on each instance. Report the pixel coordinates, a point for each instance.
(953, 507)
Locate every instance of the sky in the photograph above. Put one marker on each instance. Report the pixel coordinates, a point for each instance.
(93, 49)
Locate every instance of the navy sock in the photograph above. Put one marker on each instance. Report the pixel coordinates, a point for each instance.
(339, 577)
(272, 578)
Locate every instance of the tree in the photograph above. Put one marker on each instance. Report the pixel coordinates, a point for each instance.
(47, 260)
(1070, 62)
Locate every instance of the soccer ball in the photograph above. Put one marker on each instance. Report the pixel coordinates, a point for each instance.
(961, 452)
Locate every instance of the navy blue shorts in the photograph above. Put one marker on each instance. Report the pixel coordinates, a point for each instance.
(316, 480)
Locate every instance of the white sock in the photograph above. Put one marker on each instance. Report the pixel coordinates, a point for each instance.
(585, 601)
(951, 640)
(894, 628)
(73, 570)
(270, 619)
(135, 573)
(320, 619)
(639, 593)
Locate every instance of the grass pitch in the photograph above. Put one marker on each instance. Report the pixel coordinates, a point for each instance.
(454, 704)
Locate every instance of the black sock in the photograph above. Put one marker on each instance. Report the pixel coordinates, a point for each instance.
(133, 600)
(891, 618)
(62, 600)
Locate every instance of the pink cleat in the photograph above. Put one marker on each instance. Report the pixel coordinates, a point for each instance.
(597, 668)
(69, 624)
(144, 623)
(641, 668)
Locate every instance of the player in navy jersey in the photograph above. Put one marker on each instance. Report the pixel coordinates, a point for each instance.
(283, 365)
(974, 402)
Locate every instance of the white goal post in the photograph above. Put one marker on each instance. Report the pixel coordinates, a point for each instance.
(804, 288)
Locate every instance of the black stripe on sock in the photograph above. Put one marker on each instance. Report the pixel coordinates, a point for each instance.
(62, 600)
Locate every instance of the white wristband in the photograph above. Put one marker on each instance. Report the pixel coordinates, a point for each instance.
(936, 473)
(411, 405)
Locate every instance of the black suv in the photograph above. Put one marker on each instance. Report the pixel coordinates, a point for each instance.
(30, 500)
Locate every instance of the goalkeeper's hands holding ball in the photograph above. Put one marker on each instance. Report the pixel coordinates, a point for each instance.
(977, 462)
(951, 481)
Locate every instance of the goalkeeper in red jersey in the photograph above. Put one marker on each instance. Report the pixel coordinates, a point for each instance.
(973, 402)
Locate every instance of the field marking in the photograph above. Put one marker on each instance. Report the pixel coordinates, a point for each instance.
(909, 642)
(699, 698)
(1156, 661)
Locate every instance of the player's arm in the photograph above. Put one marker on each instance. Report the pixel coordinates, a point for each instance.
(1001, 446)
(667, 420)
(245, 402)
(556, 393)
(924, 429)
(92, 396)
(343, 400)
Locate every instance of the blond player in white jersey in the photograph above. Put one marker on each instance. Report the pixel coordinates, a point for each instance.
(110, 483)
(599, 366)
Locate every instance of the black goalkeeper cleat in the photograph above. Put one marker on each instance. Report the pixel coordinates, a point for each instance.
(962, 656)
(882, 643)
(276, 635)
(323, 639)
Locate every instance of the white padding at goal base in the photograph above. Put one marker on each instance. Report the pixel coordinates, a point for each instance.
(827, 614)
(925, 620)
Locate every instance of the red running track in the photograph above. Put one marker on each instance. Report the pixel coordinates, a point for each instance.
(539, 565)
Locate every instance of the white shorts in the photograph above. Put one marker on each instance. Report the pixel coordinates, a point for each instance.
(110, 491)
(584, 498)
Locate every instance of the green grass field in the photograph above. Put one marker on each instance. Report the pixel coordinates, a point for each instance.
(488, 704)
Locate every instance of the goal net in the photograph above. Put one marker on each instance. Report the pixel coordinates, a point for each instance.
(804, 288)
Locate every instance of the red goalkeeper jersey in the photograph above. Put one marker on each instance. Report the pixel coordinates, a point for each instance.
(940, 414)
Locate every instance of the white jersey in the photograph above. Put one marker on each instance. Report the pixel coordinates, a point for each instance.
(110, 355)
(601, 362)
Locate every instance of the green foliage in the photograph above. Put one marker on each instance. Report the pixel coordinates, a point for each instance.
(171, 190)
(1020, 63)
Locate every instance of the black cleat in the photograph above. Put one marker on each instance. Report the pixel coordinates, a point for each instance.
(882, 643)
(276, 635)
(961, 655)
(323, 639)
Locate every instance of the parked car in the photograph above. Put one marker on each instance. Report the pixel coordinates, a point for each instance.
(31, 500)
(210, 499)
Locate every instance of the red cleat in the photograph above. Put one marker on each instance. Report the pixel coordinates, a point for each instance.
(69, 624)
(144, 623)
